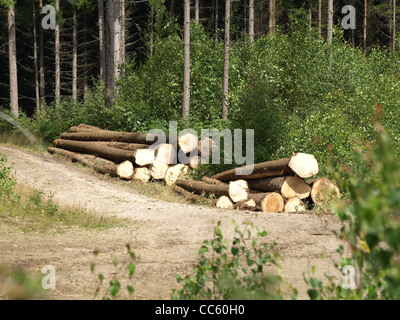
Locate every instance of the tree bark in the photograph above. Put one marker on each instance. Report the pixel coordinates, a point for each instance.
(74, 56)
(186, 61)
(57, 59)
(365, 26)
(123, 32)
(310, 13)
(226, 60)
(330, 21)
(251, 20)
(394, 25)
(303, 165)
(212, 181)
(216, 20)
(268, 184)
(320, 18)
(96, 149)
(117, 38)
(103, 166)
(102, 48)
(272, 17)
(12, 56)
(35, 59)
(196, 11)
(186, 194)
(41, 60)
(109, 95)
(200, 187)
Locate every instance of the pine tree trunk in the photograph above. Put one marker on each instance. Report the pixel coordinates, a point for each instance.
(330, 21)
(320, 18)
(101, 40)
(109, 99)
(226, 60)
(310, 13)
(12, 55)
(151, 31)
(57, 59)
(216, 20)
(117, 37)
(85, 60)
(260, 17)
(41, 60)
(123, 32)
(196, 11)
(186, 62)
(272, 17)
(394, 25)
(251, 20)
(35, 59)
(74, 55)
(365, 25)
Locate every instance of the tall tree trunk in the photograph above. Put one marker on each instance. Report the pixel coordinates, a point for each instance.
(196, 11)
(117, 37)
(226, 59)
(109, 99)
(102, 48)
(216, 20)
(74, 55)
(272, 17)
(12, 55)
(310, 13)
(35, 58)
(186, 62)
(394, 26)
(320, 18)
(85, 60)
(365, 25)
(151, 31)
(123, 31)
(260, 17)
(41, 60)
(251, 20)
(57, 58)
(330, 21)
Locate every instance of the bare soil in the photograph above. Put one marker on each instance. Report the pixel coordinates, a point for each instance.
(165, 236)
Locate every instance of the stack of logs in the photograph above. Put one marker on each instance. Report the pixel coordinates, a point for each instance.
(273, 186)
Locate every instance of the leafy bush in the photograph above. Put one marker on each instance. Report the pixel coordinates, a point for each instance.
(371, 227)
(236, 272)
(7, 179)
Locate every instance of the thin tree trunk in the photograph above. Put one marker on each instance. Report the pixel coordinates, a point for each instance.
(216, 20)
(35, 59)
(394, 25)
(117, 38)
(330, 21)
(12, 53)
(251, 20)
(272, 18)
(101, 40)
(365, 25)
(186, 68)
(261, 18)
(310, 13)
(196, 11)
(57, 58)
(41, 60)
(74, 55)
(226, 59)
(320, 18)
(151, 31)
(85, 61)
(109, 99)
(123, 31)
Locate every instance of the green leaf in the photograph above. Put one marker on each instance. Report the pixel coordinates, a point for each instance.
(131, 291)
(131, 268)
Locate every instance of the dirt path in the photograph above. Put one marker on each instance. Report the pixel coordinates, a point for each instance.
(166, 236)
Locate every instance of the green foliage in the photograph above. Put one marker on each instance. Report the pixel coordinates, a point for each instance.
(371, 226)
(233, 272)
(114, 286)
(7, 180)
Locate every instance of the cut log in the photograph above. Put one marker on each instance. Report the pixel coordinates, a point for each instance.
(166, 153)
(141, 174)
(123, 145)
(100, 165)
(103, 135)
(144, 157)
(175, 172)
(188, 195)
(158, 170)
(267, 184)
(272, 202)
(212, 181)
(205, 147)
(238, 190)
(194, 162)
(294, 205)
(82, 128)
(96, 150)
(224, 202)
(246, 205)
(200, 187)
(324, 190)
(304, 165)
(295, 187)
(188, 142)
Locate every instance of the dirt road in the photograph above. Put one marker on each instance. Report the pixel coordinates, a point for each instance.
(166, 236)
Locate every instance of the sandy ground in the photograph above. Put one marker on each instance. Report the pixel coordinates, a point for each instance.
(165, 236)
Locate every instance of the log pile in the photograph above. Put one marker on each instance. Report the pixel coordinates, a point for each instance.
(273, 186)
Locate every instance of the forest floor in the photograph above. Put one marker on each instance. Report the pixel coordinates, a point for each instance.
(165, 236)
